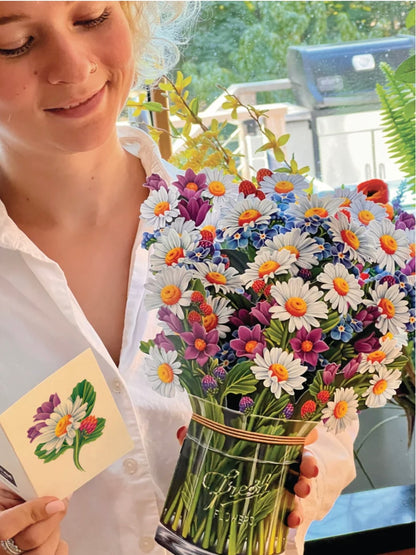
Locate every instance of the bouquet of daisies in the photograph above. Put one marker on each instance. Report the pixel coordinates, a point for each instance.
(278, 307)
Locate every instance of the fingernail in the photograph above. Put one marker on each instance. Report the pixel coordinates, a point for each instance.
(315, 472)
(307, 489)
(296, 521)
(181, 432)
(55, 507)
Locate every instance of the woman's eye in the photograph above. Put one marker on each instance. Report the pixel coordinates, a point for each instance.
(89, 23)
(14, 52)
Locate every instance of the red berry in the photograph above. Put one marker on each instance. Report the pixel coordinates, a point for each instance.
(323, 396)
(207, 235)
(260, 195)
(197, 297)
(258, 285)
(247, 188)
(261, 174)
(308, 408)
(206, 309)
(194, 316)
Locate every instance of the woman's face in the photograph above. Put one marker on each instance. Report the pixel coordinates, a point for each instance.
(65, 71)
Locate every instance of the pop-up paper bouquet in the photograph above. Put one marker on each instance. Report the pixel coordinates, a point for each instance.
(279, 309)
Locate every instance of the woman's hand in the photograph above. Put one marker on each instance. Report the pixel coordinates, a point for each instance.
(308, 470)
(33, 525)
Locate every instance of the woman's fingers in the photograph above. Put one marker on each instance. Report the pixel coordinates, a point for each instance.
(309, 466)
(311, 437)
(296, 516)
(48, 547)
(181, 434)
(16, 519)
(302, 487)
(9, 499)
(62, 548)
(43, 533)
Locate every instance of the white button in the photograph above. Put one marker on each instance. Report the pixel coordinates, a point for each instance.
(117, 387)
(130, 466)
(146, 544)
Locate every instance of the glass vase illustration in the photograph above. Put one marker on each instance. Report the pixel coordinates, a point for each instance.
(232, 489)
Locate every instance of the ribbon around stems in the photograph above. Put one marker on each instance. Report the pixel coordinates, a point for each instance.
(248, 436)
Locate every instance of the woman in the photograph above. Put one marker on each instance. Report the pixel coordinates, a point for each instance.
(72, 271)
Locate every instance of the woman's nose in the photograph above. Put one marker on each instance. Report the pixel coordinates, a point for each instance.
(68, 63)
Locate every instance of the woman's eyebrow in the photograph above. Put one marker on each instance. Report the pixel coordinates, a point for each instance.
(12, 18)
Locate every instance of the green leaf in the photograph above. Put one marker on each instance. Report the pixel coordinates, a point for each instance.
(42, 454)
(409, 109)
(238, 259)
(166, 87)
(410, 19)
(87, 438)
(399, 363)
(264, 506)
(406, 71)
(145, 346)
(241, 381)
(283, 139)
(153, 106)
(87, 393)
(276, 334)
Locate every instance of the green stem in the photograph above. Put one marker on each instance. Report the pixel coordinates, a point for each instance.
(360, 464)
(172, 506)
(77, 448)
(207, 533)
(232, 544)
(177, 515)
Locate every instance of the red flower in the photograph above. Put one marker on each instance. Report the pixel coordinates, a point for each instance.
(323, 396)
(308, 409)
(375, 190)
(88, 425)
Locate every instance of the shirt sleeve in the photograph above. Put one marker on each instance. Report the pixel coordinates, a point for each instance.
(335, 457)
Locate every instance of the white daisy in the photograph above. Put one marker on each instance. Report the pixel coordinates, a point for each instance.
(219, 317)
(169, 249)
(343, 288)
(388, 352)
(267, 264)
(365, 211)
(160, 207)
(283, 183)
(348, 196)
(220, 186)
(299, 243)
(383, 386)
(298, 304)
(392, 246)
(393, 308)
(185, 226)
(247, 212)
(355, 238)
(307, 207)
(222, 279)
(340, 412)
(162, 368)
(279, 371)
(62, 424)
(169, 289)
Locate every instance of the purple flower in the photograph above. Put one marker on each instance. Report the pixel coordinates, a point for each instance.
(261, 312)
(367, 344)
(351, 368)
(245, 405)
(409, 269)
(288, 410)
(154, 182)
(209, 384)
(46, 409)
(165, 315)
(201, 345)
(34, 431)
(194, 209)
(307, 345)
(305, 274)
(220, 373)
(242, 317)
(249, 342)
(368, 315)
(329, 372)
(164, 342)
(191, 184)
(405, 221)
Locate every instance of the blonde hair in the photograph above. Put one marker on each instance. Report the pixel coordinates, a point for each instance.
(158, 29)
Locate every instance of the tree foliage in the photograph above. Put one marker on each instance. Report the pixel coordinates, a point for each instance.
(242, 41)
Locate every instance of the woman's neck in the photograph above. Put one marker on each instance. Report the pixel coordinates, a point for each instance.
(67, 190)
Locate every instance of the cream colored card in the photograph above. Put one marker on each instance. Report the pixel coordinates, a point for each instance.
(62, 433)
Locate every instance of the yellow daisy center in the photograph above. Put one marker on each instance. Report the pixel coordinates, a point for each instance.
(62, 425)
(380, 387)
(248, 216)
(279, 371)
(174, 255)
(350, 238)
(268, 267)
(200, 344)
(306, 346)
(192, 186)
(365, 216)
(170, 294)
(387, 307)
(210, 321)
(251, 345)
(216, 277)
(340, 409)
(292, 249)
(388, 244)
(284, 187)
(216, 188)
(296, 306)
(165, 373)
(316, 211)
(341, 286)
(345, 202)
(161, 208)
(376, 356)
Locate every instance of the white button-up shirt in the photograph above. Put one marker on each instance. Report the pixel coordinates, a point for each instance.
(42, 327)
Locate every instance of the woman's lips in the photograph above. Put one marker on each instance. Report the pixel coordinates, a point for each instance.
(79, 109)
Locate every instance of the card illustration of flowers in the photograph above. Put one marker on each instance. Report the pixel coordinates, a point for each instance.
(69, 424)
